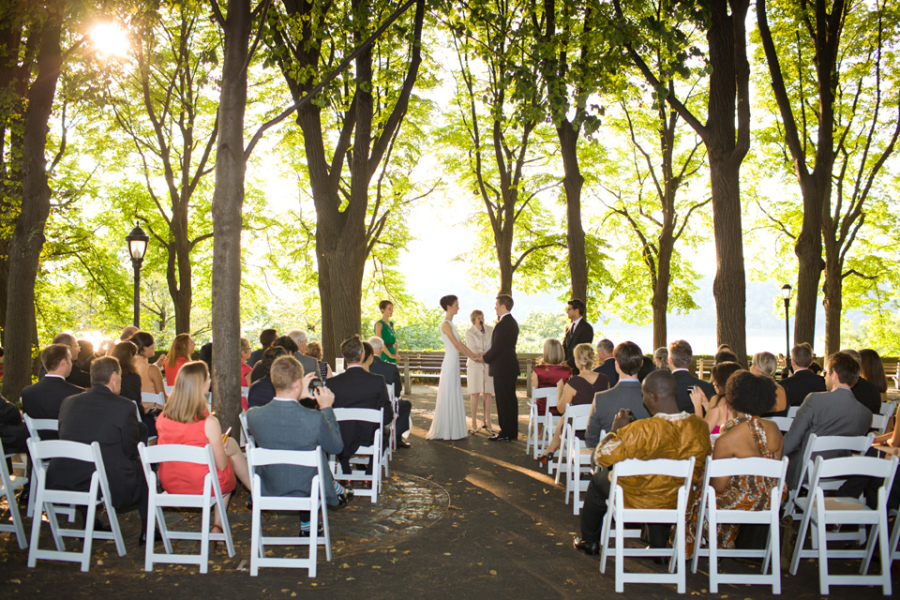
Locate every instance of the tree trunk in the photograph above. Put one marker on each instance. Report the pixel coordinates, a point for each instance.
(833, 302)
(228, 201)
(28, 236)
(660, 300)
(179, 281)
(809, 254)
(572, 183)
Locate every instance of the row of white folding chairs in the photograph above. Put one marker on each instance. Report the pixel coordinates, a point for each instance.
(574, 461)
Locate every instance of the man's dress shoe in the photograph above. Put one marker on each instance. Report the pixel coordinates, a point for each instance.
(589, 548)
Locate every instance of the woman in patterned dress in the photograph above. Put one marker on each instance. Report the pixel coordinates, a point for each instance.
(745, 435)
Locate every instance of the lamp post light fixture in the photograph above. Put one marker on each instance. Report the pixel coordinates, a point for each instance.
(786, 294)
(137, 248)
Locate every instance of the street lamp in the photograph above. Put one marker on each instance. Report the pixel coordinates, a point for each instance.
(786, 294)
(137, 248)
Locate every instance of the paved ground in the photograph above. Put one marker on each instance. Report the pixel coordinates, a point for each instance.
(465, 519)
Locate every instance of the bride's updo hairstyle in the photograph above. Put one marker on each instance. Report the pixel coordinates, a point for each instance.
(447, 301)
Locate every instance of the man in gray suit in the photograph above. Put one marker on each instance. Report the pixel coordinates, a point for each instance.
(283, 424)
(835, 412)
(625, 394)
(310, 364)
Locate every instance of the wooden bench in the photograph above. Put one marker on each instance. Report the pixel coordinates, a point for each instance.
(425, 366)
(892, 370)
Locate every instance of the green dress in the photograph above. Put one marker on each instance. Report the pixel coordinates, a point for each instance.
(390, 340)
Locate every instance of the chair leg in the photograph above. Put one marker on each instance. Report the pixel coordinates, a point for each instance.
(89, 528)
(885, 554)
(35, 530)
(620, 554)
(773, 556)
(679, 552)
(152, 515)
(823, 555)
(801, 540)
(713, 548)
(205, 524)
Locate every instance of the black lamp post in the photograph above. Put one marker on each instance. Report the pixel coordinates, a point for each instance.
(786, 294)
(137, 248)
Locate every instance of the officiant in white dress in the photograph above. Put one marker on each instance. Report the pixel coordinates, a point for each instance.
(478, 380)
(449, 410)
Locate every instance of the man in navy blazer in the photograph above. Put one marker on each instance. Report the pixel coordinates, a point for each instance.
(43, 399)
(357, 388)
(605, 349)
(504, 368)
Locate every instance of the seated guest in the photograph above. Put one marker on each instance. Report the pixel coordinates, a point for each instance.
(262, 391)
(865, 392)
(245, 368)
(835, 412)
(550, 370)
(151, 378)
(680, 354)
(577, 390)
(76, 376)
(314, 349)
(746, 435)
(125, 352)
(301, 339)
(392, 378)
(285, 424)
(13, 432)
(715, 410)
(357, 388)
(648, 367)
(661, 358)
(187, 421)
(179, 354)
(803, 382)
(267, 337)
(669, 433)
(606, 361)
(85, 355)
(624, 395)
(725, 356)
(765, 364)
(872, 370)
(127, 332)
(102, 415)
(283, 342)
(205, 354)
(43, 399)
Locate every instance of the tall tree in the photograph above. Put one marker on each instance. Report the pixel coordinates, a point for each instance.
(308, 41)
(823, 30)
(726, 132)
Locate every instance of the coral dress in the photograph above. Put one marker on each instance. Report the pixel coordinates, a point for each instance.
(172, 372)
(187, 478)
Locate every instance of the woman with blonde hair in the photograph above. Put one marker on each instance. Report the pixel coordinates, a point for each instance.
(550, 370)
(578, 389)
(478, 378)
(765, 364)
(186, 420)
(179, 354)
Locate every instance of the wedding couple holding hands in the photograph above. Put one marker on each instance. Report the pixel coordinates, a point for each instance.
(503, 366)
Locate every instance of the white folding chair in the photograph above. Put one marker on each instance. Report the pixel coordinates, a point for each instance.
(158, 399)
(879, 424)
(246, 439)
(680, 469)
(8, 486)
(315, 503)
(822, 511)
(395, 406)
(549, 421)
(888, 408)
(35, 426)
(817, 444)
(534, 440)
(375, 451)
(137, 412)
(792, 411)
(167, 387)
(783, 423)
(762, 467)
(211, 496)
(577, 455)
(47, 499)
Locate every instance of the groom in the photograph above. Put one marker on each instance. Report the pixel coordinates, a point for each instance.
(504, 368)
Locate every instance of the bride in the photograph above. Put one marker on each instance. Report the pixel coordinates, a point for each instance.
(449, 411)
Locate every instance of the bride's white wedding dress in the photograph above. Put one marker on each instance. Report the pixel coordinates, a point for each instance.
(449, 411)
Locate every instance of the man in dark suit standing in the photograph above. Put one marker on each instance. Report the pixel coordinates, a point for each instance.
(503, 366)
(357, 388)
(267, 337)
(605, 350)
(579, 331)
(43, 399)
(803, 382)
(680, 354)
(76, 375)
(392, 378)
(101, 415)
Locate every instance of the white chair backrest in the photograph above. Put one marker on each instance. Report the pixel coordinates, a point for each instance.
(817, 444)
(36, 425)
(244, 391)
(870, 466)
(260, 457)
(579, 415)
(880, 423)
(758, 466)
(792, 411)
(888, 408)
(151, 397)
(783, 423)
(369, 415)
(41, 451)
(544, 392)
(179, 453)
(659, 466)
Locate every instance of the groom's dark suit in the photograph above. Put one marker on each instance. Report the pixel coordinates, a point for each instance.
(504, 368)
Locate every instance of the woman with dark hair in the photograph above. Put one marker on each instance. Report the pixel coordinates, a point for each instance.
(314, 349)
(384, 328)
(449, 409)
(872, 370)
(125, 352)
(648, 365)
(180, 353)
(745, 435)
(716, 408)
(85, 355)
(262, 391)
(151, 378)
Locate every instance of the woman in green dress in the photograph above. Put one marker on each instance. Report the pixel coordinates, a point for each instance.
(384, 328)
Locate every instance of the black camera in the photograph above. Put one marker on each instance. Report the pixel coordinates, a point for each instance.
(315, 384)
